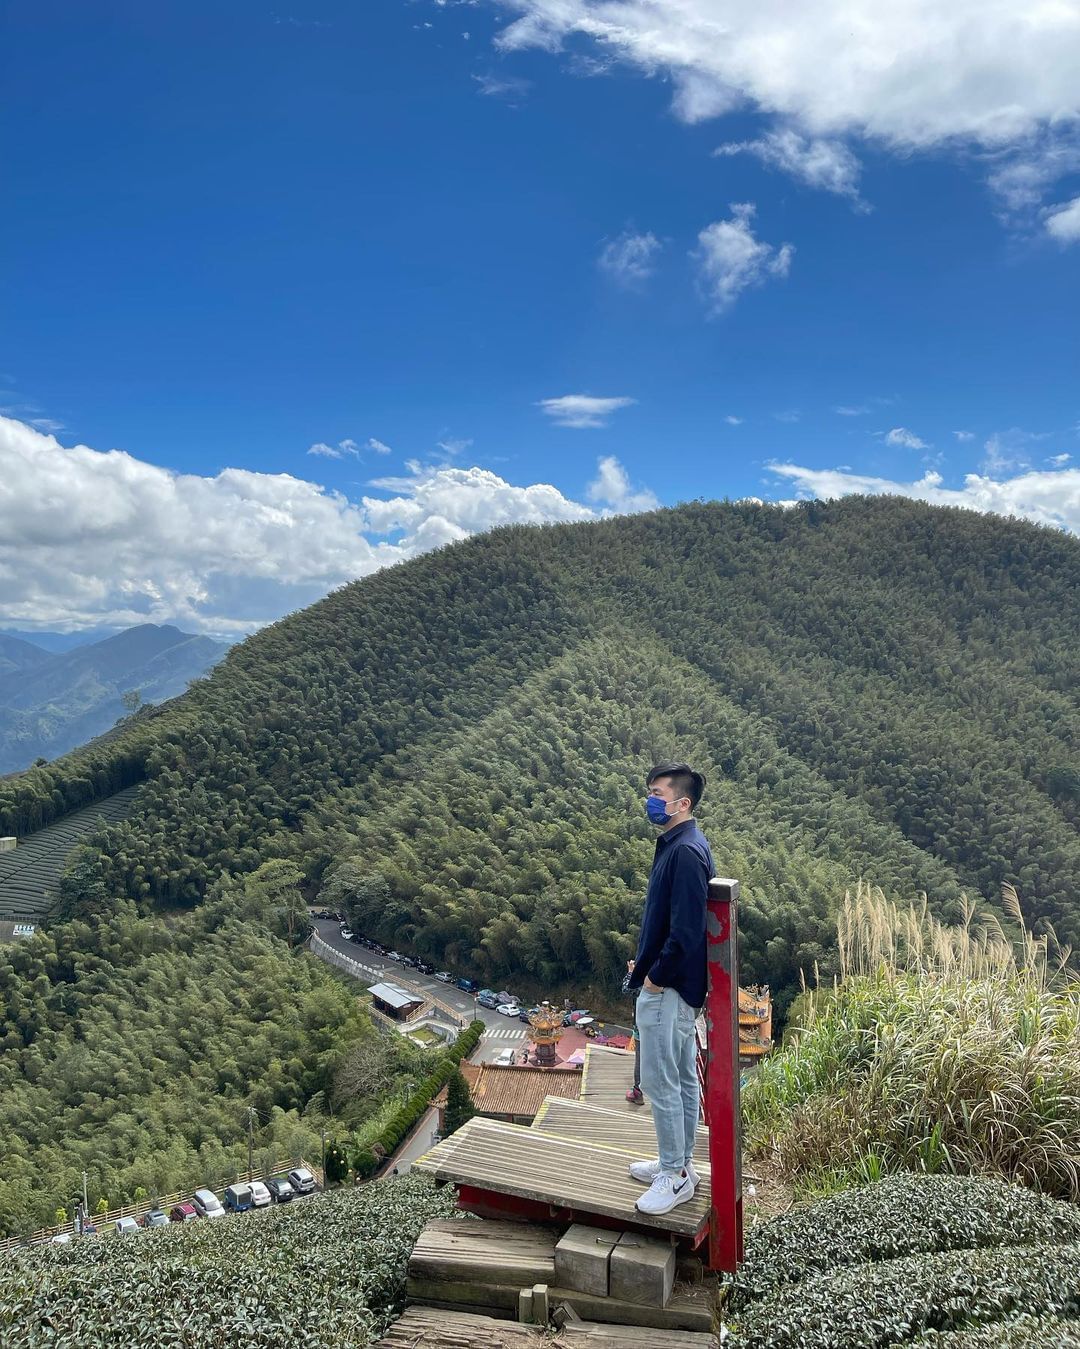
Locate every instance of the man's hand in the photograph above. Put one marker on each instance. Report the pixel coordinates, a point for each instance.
(653, 988)
(630, 966)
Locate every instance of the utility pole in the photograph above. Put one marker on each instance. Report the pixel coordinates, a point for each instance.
(85, 1205)
(250, 1112)
(323, 1156)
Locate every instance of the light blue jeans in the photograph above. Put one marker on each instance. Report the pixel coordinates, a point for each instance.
(669, 1073)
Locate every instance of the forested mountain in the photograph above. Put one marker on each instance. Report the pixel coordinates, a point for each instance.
(15, 655)
(51, 702)
(455, 747)
(874, 687)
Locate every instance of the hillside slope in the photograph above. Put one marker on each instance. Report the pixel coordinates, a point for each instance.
(874, 687)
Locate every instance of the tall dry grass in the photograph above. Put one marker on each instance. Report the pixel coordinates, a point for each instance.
(939, 1049)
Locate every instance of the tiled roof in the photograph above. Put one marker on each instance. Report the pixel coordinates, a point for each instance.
(496, 1090)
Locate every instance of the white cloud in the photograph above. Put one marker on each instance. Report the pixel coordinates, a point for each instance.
(900, 435)
(1059, 459)
(845, 411)
(502, 86)
(731, 260)
(611, 487)
(1063, 222)
(629, 257)
(964, 436)
(378, 446)
(734, 421)
(1007, 451)
(819, 163)
(582, 410)
(1045, 497)
(338, 451)
(914, 75)
(789, 418)
(90, 538)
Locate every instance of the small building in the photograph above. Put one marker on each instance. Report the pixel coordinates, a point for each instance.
(512, 1094)
(9, 843)
(395, 1002)
(755, 1025)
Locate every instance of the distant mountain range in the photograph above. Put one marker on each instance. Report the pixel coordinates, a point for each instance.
(52, 701)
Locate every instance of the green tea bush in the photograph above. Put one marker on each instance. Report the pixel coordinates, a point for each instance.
(324, 1272)
(873, 1305)
(1026, 1332)
(899, 1216)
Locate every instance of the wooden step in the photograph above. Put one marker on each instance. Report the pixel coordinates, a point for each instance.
(579, 1177)
(633, 1134)
(431, 1328)
(500, 1252)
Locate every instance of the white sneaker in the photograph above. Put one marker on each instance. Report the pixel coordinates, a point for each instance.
(646, 1172)
(664, 1193)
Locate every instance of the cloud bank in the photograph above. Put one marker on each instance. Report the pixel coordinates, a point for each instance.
(916, 75)
(1048, 498)
(90, 538)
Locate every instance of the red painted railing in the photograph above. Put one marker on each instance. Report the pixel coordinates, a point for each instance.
(721, 1077)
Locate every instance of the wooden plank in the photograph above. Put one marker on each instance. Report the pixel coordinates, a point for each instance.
(689, 1308)
(431, 1328)
(633, 1134)
(512, 1159)
(491, 1252)
(607, 1076)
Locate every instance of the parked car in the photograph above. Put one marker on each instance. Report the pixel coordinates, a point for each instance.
(346, 934)
(508, 1009)
(155, 1218)
(502, 997)
(238, 1198)
(487, 999)
(302, 1181)
(409, 961)
(61, 1239)
(467, 985)
(207, 1204)
(359, 940)
(280, 1190)
(182, 1213)
(125, 1226)
(504, 1058)
(524, 1015)
(393, 955)
(444, 977)
(424, 967)
(260, 1195)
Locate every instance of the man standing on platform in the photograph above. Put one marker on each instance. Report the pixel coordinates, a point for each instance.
(671, 971)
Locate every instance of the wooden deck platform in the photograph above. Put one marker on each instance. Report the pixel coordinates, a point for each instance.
(633, 1133)
(567, 1176)
(607, 1076)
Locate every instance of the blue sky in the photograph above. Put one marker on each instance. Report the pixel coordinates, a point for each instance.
(236, 232)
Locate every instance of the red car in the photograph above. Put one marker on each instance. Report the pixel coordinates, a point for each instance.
(182, 1213)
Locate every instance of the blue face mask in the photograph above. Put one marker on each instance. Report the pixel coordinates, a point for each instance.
(656, 809)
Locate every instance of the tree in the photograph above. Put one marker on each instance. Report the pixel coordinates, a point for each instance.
(459, 1105)
(337, 1163)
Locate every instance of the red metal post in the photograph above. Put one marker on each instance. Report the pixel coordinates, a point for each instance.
(722, 1077)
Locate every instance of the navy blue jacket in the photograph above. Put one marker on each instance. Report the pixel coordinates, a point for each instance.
(671, 948)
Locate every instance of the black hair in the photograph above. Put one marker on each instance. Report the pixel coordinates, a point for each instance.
(685, 780)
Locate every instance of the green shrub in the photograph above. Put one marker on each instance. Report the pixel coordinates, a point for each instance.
(940, 1051)
(329, 1271)
(900, 1216)
(895, 1301)
(1026, 1332)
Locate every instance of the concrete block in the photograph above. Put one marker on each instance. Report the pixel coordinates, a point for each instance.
(525, 1307)
(582, 1254)
(541, 1312)
(8, 844)
(642, 1270)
